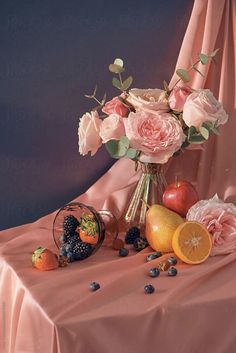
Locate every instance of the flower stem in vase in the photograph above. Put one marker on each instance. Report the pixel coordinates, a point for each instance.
(149, 191)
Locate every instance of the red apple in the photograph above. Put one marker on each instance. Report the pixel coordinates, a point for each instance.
(180, 196)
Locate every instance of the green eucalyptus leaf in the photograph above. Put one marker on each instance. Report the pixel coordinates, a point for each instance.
(131, 153)
(185, 144)
(204, 58)
(211, 127)
(124, 141)
(183, 74)
(115, 68)
(119, 62)
(116, 83)
(127, 83)
(191, 131)
(204, 132)
(196, 139)
(112, 147)
(213, 54)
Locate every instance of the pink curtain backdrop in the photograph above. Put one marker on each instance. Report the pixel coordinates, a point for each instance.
(212, 25)
(194, 312)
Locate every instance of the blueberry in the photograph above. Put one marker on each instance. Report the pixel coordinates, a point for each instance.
(123, 252)
(149, 289)
(154, 256)
(172, 260)
(154, 272)
(63, 251)
(94, 286)
(172, 272)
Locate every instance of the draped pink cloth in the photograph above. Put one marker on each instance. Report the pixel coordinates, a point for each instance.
(53, 312)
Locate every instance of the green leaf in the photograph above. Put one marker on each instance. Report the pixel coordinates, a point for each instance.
(127, 83)
(183, 74)
(196, 139)
(214, 53)
(185, 144)
(191, 131)
(200, 73)
(124, 141)
(112, 147)
(123, 146)
(115, 68)
(131, 153)
(204, 132)
(211, 127)
(116, 83)
(204, 58)
(119, 62)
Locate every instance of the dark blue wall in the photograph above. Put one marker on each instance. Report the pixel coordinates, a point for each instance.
(52, 52)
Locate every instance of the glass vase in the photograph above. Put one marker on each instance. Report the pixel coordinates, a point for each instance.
(149, 191)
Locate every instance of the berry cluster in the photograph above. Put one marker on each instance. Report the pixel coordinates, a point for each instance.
(72, 247)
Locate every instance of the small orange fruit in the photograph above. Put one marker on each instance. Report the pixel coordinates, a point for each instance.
(87, 237)
(192, 242)
(44, 259)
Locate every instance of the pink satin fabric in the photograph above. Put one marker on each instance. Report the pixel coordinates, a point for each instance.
(212, 25)
(54, 312)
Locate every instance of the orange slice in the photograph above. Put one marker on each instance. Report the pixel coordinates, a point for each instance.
(192, 242)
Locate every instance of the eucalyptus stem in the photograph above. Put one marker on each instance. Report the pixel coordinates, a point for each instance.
(189, 69)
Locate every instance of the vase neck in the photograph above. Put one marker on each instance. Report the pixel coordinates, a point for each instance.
(151, 168)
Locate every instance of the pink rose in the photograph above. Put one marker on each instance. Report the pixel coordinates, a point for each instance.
(157, 136)
(115, 106)
(220, 220)
(89, 139)
(112, 128)
(201, 106)
(178, 97)
(148, 100)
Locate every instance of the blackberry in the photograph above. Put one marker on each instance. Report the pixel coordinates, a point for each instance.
(82, 250)
(132, 234)
(140, 243)
(69, 225)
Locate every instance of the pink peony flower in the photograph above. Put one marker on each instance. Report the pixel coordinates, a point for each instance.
(178, 97)
(115, 106)
(148, 100)
(112, 128)
(220, 220)
(89, 139)
(157, 136)
(201, 106)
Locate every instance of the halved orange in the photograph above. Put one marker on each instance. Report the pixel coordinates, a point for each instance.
(192, 242)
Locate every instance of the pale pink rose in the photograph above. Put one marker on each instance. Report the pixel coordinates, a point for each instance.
(148, 100)
(115, 106)
(112, 128)
(158, 136)
(89, 138)
(178, 97)
(201, 106)
(220, 220)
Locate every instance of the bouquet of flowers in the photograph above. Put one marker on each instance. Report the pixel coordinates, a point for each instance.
(151, 125)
